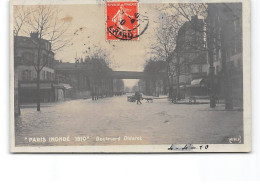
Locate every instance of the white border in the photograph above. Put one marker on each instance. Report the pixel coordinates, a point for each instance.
(246, 147)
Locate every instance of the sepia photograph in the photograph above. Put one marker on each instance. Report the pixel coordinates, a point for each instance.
(130, 76)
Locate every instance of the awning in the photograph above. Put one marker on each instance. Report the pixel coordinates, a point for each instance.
(34, 86)
(67, 86)
(197, 83)
(180, 87)
(62, 86)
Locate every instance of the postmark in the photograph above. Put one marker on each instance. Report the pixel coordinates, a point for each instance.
(122, 21)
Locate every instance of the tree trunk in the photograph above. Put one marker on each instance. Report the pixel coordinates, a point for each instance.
(178, 87)
(38, 71)
(112, 87)
(18, 98)
(38, 100)
(168, 76)
(178, 77)
(212, 87)
(211, 62)
(224, 47)
(211, 73)
(227, 84)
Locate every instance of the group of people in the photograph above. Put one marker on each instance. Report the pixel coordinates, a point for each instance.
(138, 96)
(94, 96)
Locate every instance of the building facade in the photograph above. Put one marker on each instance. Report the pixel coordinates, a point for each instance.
(224, 28)
(86, 77)
(189, 60)
(226, 22)
(25, 59)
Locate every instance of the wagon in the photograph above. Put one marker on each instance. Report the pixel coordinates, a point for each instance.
(131, 98)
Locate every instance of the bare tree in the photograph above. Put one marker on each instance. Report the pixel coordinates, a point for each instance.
(21, 15)
(177, 66)
(215, 40)
(98, 63)
(49, 31)
(170, 48)
(185, 12)
(152, 69)
(165, 43)
(118, 86)
(180, 13)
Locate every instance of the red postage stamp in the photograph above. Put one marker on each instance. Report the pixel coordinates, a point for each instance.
(122, 20)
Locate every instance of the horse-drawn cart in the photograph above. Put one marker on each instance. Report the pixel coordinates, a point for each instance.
(131, 98)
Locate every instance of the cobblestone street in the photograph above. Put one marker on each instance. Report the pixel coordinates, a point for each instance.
(118, 122)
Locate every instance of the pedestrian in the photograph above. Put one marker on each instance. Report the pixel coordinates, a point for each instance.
(138, 98)
(95, 96)
(92, 95)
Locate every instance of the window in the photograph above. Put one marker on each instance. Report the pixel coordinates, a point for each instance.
(231, 63)
(44, 75)
(217, 56)
(239, 46)
(27, 58)
(44, 59)
(50, 62)
(232, 50)
(187, 69)
(235, 45)
(199, 68)
(47, 46)
(29, 75)
(217, 70)
(47, 62)
(239, 62)
(235, 26)
(26, 75)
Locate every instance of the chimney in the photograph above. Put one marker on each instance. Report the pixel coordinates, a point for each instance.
(194, 18)
(34, 35)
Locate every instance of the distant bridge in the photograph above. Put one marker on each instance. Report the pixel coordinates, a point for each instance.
(70, 68)
(127, 75)
(136, 75)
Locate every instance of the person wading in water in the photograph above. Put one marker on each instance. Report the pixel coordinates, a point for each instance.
(138, 97)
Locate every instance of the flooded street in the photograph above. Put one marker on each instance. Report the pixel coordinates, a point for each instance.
(114, 121)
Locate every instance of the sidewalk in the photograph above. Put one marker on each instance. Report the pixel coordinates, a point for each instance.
(44, 104)
(187, 101)
(155, 97)
(220, 106)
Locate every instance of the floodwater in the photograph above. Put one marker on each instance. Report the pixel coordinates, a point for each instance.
(114, 121)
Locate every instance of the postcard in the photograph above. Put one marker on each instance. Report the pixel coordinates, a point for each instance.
(131, 76)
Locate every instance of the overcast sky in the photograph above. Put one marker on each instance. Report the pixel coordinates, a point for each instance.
(124, 55)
